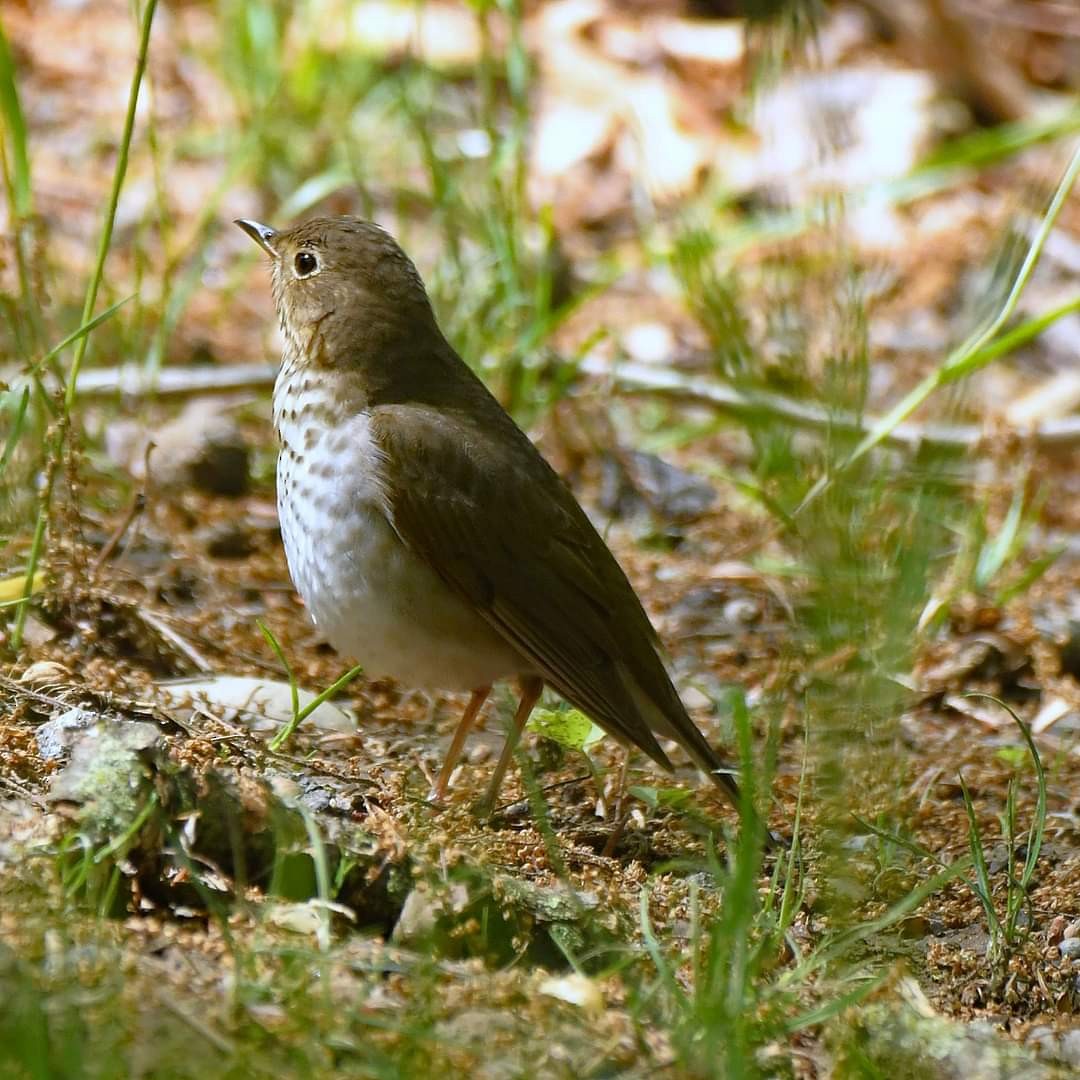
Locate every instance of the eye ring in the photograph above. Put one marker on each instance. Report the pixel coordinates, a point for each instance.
(305, 264)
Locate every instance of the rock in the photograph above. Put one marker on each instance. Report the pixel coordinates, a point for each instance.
(45, 673)
(108, 777)
(1069, 1048)
(260, 704)
(575, 989)
(228, 540)
(649, 343)
(201, 448)
(36, 633)
(717, 609)
(1070, 948)
(635, 484)
(907, 1041)
(55, 737)
(422, 910)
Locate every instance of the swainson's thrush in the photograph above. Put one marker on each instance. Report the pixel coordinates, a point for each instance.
(426, 534)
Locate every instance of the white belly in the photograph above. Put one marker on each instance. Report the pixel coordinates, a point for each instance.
(368, 594)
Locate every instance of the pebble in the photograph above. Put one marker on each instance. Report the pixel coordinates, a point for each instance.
(45, 673)
(1070, 948)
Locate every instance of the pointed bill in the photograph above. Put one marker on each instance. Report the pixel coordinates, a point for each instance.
(263, 235)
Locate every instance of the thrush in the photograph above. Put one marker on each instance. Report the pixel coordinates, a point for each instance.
(426, 534)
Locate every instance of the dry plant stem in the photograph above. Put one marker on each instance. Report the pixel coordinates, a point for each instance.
(461, 733)
(136, 507)
(64, 420)
(531, 688)
(648, 379)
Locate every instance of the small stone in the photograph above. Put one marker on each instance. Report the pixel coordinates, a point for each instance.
(1069, 1048)
(45, 673)
(649, 343)
(1056, 931)
(201, 448)
(36, 633)
(576, 989)
(422, 910)
(1070, 948)
(1072, 930)
(693, 698)
(479, 753)
(229, 540)
(741, 611)
(639, 484)
(56, 736)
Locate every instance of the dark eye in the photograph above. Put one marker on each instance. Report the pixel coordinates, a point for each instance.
(305, 263)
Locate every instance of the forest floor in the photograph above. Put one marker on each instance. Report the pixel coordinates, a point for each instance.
(179, 899)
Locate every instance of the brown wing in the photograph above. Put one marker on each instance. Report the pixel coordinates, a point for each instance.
(501, 529)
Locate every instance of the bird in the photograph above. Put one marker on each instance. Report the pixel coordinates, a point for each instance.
(426, 534)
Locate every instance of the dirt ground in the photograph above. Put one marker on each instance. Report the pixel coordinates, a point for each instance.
(452, 932)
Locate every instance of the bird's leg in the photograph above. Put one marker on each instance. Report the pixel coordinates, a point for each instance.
(531, 688)
(457, 744)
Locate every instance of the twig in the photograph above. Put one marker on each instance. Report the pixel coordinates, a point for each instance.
(631, 378)
(134, 381)
(158, 624)
(137, 505)
(636, 378)
(197, 1024)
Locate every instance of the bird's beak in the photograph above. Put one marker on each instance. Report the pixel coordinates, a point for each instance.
(263, 235)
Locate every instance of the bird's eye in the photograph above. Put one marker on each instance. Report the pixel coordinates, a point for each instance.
(305, 263)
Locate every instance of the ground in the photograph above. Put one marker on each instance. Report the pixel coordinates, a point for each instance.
(607, 240)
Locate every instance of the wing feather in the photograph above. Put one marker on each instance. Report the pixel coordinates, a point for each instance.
(502, 530)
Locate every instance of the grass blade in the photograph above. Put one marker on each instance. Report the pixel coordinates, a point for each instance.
(77, 335)
(15, 126)
(974, 353)
(16, 429)
(37, 544)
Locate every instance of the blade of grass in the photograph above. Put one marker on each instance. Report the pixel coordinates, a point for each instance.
(279, 652)
(981, 885)
(973, 353)
(1038, 821)
(17, 180)
(15, 125)
(16, 428)
(300, 715)
(76, 335)
(44, 506)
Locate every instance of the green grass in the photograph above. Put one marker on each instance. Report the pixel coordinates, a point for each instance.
(868, 536)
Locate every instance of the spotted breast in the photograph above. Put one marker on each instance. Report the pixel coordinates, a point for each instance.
(370, 596)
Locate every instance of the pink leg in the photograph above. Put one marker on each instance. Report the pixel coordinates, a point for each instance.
(531, 689)
(457, 744)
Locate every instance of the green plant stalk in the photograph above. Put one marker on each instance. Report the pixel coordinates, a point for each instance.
(130, 832)
(843, 942)
(968, 357)
(38, 542)
(76, 335)
(279, 652)
(18, 182)
(1035, 832)
(287, 731)
(981, 886)
(16, 428)
(15, 122)
(322, 874)
(1022, 334)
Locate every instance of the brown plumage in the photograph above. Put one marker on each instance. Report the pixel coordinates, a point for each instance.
(424, 530)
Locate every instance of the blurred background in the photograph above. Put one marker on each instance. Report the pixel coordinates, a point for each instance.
(789, 292)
